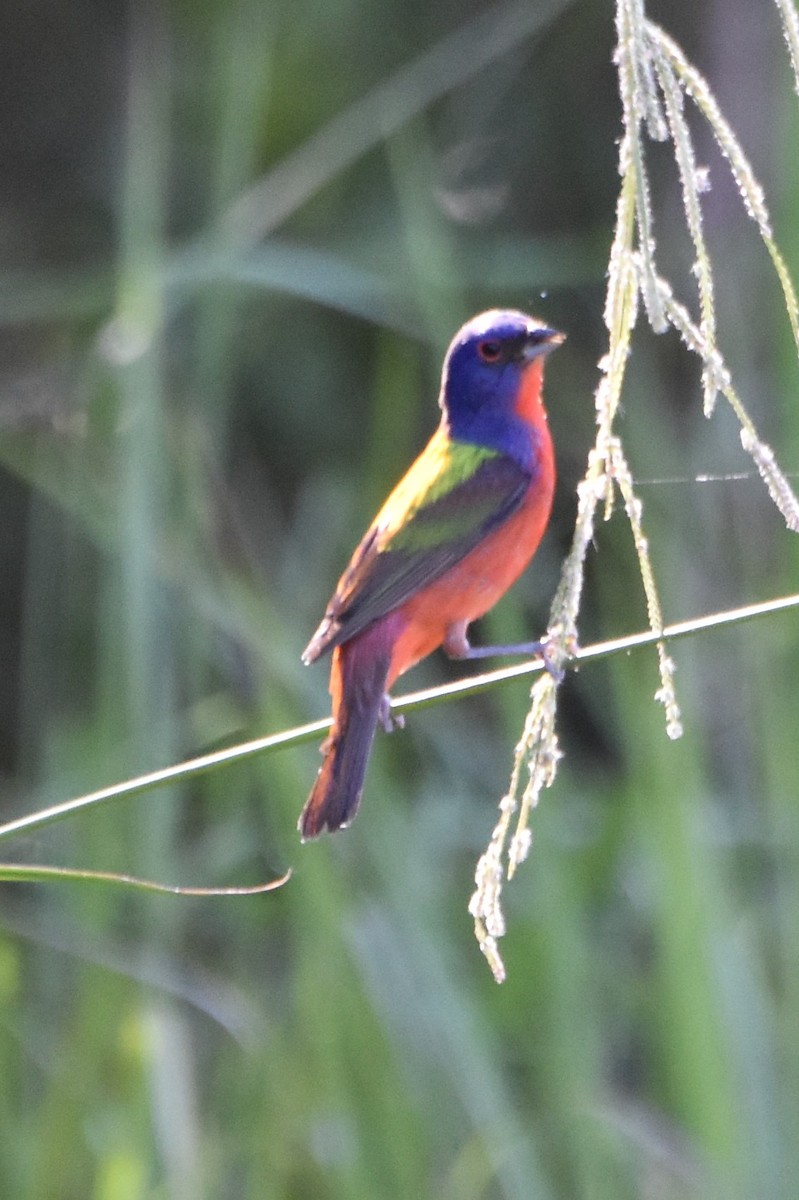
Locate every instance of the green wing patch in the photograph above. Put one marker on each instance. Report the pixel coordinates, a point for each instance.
(428, 524)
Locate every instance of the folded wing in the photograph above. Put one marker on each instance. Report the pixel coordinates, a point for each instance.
(436, 529)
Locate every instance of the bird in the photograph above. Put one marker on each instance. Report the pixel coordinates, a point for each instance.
(454, 534)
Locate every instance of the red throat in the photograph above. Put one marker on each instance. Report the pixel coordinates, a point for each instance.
(528, 403)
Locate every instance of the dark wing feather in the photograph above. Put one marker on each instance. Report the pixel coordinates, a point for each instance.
(381, 577)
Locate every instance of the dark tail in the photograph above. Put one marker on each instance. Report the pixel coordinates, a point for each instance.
(357, 684)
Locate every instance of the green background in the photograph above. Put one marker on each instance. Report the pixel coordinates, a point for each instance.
(235, 239)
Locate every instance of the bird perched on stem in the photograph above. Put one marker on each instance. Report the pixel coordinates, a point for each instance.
(455, 533)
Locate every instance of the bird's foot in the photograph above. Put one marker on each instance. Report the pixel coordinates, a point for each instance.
(551, 666)
(388, 720)
(553, 661)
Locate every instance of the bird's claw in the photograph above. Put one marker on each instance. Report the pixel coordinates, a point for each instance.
(388, 720)
(553, 661)
(551, 666)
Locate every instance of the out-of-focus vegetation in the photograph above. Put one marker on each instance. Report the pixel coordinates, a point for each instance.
(235, 239)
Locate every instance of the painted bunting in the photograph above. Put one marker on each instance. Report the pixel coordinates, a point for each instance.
(455, 533)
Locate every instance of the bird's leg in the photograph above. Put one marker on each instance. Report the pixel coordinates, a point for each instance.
(387, 719)
(457, 645)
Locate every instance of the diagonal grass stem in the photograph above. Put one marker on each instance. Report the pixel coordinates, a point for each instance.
(192, 768)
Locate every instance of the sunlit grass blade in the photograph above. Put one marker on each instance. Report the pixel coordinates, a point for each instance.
(790, 23)
(692, 186)
(34, 873)
(751, 190)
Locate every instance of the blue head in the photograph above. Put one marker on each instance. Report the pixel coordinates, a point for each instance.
(492, 363)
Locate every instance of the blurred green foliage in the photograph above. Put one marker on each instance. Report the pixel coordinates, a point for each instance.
(235, 240)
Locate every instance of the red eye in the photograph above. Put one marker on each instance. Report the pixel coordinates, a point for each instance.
(490, 352)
